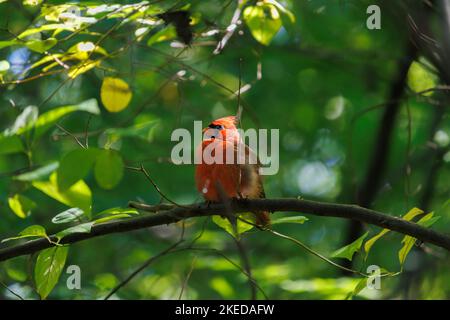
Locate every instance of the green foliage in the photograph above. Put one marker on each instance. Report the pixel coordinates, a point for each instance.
(108, 169)
(349, 250)
(49, 265)
(21, 205)
(78, 195)
(31, 231)
(74, 166)
(308, 68)
(240, 225)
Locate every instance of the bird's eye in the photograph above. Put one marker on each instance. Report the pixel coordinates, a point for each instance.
(215, 126)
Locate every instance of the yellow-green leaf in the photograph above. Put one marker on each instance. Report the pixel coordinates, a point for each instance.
(408, 241)
(420, 78)
(82, 67)
(408, 217)
(21, 205)
(115, 94)
(241, 226)
(78, 195)
(349, 250)
(264, 22)
(48, 268)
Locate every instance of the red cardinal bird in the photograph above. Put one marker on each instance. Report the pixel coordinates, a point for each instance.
(234, 179)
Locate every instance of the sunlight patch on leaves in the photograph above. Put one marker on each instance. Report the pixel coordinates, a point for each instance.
(349, 250)
(263, 20)
(78, 195)
(31, 231)
(295, 219)
(68, 215)
(108, 169)
(408, 217)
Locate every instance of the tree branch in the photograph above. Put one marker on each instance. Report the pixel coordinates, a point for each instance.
(176, 214)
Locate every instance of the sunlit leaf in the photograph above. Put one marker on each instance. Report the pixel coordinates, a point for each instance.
(69, 215)
(31, 231)
(408, 217)
(80, 228)
(41, 46)
(296, 219)
(21, 205)
(421, 78)
(26, 119)
(165, 34)
(48, 268)
(349, 250)
(408, 241)
(112, 217)
(4, 66)
(263, 21)
(241, 226)
(78, 195)
(118, 210)
(108, 169)
(359, 287)
(115, 94)
(75, 165)
(37, 174)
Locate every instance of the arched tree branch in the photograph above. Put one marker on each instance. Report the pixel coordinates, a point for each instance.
(176, 214)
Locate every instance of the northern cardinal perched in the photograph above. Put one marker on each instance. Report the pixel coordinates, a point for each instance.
(238, 179)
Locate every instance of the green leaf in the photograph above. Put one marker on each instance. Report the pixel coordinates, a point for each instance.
(4, 66)
(115, 94)
(263, 21)
(118, 210)
(108, 169)
(420, 78)
(359, 287)
(31, 231)
(78, 195)
(48, 268)
(74, 166)
(26, 119)
(241, 226)
(349, 250)
(21, 205)
(165, 34)
(113, 217)
(296, 219)
(41, 46)
(82, 67)
(115, 213)
(11, 143)
(69, 215)
(40, 173)
(8, 43)
(408, 241)
(408, 217)
(141, 130)
(80, 228)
